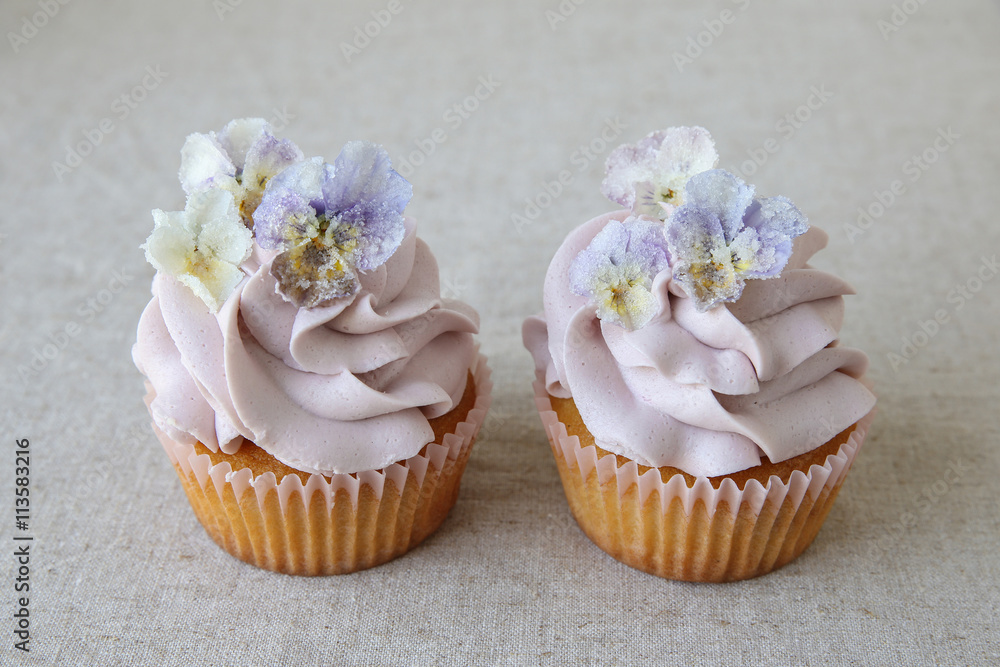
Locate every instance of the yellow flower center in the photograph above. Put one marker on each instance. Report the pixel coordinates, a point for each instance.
(199, 264)
(713, 277)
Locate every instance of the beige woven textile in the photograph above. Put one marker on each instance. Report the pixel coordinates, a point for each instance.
(878, 119)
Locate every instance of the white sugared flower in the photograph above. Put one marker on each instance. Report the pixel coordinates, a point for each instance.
(649, 176)
(202, 246)
(240, 160)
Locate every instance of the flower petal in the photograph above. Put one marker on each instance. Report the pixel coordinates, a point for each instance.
(331, 221)
(283, 219)
(649, 177)
(288, 208)
(267, 157)
(629, 165)
(306, 179)
(215, 212)
(239, 136)
(777, 215)
(168, 245)
(366, 193)
(687, 150)
(205, 164)
(240, 159)
(363, 173)
(311, 275)
(214, 284)
(202, 246)
(777, 221)
(723, 193)
(702, 261)
(722, 237)
(616, 271)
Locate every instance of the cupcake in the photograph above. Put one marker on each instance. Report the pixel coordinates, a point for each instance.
(316, 395)
(700, 410)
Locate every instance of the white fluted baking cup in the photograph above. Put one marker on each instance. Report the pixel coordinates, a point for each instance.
(336, 524)
(698, 532)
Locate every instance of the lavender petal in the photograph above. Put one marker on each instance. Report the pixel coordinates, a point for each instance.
(723, 193)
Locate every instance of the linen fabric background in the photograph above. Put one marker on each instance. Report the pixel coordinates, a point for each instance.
(504, 112)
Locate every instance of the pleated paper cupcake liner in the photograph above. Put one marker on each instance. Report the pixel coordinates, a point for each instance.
(330, 525)
(696, 533)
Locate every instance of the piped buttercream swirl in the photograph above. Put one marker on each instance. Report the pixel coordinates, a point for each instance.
(336, 389)
(707, 392)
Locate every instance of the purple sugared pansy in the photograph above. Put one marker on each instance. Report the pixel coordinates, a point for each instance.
(649, 176)
(332, 221)
(240, 160)
(616, 271)
(201, 246)
(723, 236)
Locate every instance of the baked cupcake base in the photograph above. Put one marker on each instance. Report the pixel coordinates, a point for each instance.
(678, 526)
(289, 521)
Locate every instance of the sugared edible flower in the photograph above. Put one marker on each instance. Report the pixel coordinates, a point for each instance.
(202, 246)
(649, 176)
(723, 236)
(616, 271)
(332, 221)
(240, 160)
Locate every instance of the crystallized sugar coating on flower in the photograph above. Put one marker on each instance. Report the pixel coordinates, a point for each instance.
(240, 160)
(202, 246)
(205, 164)
(616, 271)
(723, 236)
(649, 177)
(331, 221)
(366, 193)
(291, 204)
